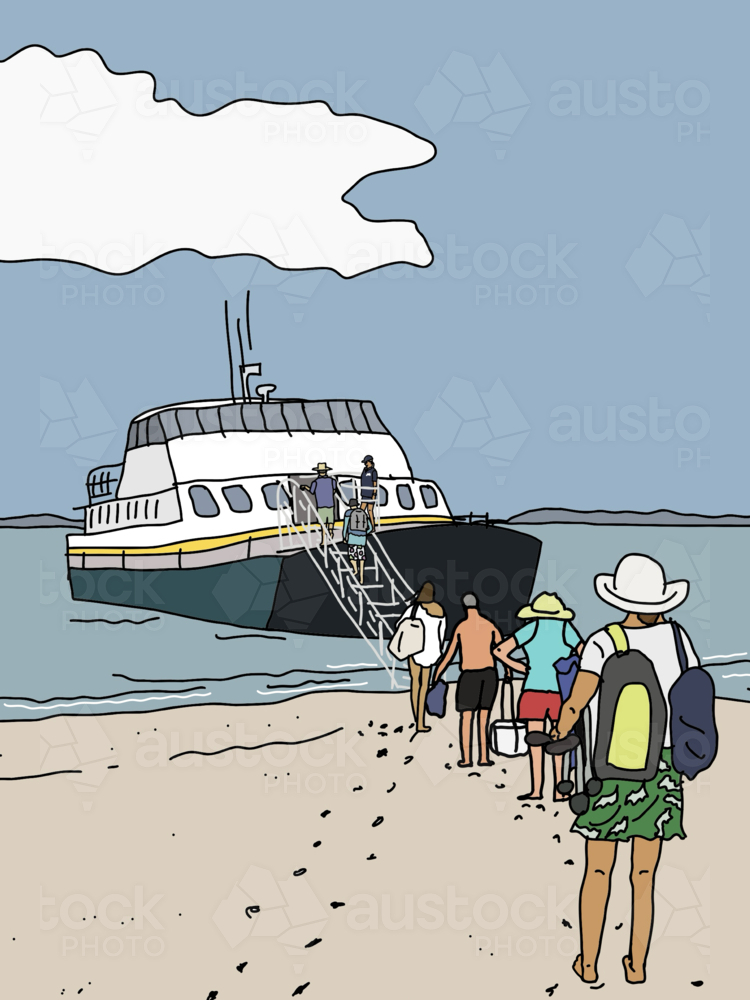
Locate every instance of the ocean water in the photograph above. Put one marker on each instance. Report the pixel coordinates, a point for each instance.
(65, 657)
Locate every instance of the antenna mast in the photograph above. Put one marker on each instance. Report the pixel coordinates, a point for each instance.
(229, 348)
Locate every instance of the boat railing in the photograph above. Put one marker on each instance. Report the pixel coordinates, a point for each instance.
(127, 512)
(373, 619)
(101, 483)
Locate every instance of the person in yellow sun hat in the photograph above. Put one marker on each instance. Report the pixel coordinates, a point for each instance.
(547, 637)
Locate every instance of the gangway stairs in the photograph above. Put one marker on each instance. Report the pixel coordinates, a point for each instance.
(374, 606)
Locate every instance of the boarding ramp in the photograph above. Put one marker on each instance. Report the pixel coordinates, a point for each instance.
(373, 607)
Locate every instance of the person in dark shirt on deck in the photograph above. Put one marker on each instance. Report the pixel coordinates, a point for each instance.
(369, 487)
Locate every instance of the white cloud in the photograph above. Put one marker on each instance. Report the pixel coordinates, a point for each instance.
(95, 171)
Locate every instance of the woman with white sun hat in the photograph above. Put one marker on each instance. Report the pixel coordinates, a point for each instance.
(645, 812)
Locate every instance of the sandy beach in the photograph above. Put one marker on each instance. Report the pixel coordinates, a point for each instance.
(134, 877)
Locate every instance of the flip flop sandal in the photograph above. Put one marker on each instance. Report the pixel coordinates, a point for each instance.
(459, 764)
(537, 739)
(528, 795)
(558, 747)
(488, 763)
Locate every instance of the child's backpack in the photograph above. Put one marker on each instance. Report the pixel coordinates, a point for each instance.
(632, 715)
(358, 520)
(692, 721)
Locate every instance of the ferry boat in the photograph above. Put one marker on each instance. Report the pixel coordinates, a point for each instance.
(207, 517)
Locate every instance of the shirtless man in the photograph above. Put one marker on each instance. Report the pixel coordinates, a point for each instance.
(475, 638)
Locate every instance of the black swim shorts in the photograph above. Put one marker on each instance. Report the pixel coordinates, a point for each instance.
(476, 689)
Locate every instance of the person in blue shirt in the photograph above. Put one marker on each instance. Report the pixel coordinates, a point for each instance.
(356, 528)
(324, 490)
(549, 636)
(369, 487)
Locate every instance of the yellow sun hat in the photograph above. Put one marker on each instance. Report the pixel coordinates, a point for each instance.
(546, 606)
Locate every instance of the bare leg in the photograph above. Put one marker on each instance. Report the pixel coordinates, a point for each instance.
(361, 571)
(600, 859)
(536, 760)
(354, 565)
(646, 855)
(424, 683)
(414, 671)
(558, 777)
(466, 720)
(484, 721)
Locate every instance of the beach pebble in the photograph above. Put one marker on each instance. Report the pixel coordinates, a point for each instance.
(241, 966)
(383, 752)
(499, 786)
(300, 990)
(326, 812)
(372, 857)
(408, 760)
(370, 723)
(335, 905)
(317, 843)
(569, 861)
(567, 924)
(391, 788)
(696, 982)
(383, 725)
(311, 944)
(360, 732)
(398, 729)
(378, 821)
(357, 789)
(518, 817)
(618, 926)
(556, 837)
(300, 871)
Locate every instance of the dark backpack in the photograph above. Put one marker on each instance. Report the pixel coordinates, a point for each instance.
(692, 723)
(358, 520)
(632, 717)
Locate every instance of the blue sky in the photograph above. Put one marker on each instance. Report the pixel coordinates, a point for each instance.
(518, 371)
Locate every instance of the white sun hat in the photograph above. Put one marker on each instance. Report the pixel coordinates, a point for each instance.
(639, 584)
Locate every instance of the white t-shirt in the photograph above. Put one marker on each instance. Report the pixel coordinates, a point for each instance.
(434, 633)
(654, 641)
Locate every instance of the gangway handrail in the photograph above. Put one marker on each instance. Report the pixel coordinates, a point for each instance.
(339, 575)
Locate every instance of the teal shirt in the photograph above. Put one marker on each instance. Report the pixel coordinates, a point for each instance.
(545, 641)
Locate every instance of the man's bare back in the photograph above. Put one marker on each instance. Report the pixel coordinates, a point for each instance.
(475, 637)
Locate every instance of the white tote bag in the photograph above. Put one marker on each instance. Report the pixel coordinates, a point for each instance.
(408, 639)
(507, 736)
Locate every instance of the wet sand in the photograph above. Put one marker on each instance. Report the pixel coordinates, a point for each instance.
(135, 877)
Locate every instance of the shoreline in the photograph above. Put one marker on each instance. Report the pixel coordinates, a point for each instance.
(146, 865)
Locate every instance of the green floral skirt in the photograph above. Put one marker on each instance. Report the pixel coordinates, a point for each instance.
(625, 809)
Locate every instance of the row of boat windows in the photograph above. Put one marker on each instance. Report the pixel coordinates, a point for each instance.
(335, 415)
(275, 495)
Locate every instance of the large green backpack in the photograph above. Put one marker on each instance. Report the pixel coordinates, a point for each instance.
(632, 716)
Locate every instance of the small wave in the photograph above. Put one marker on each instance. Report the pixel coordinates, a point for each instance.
(75, 704)
(308, 690)
(723, 656)
(339, 666)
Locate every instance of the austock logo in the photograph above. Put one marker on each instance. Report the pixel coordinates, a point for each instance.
(488, 96)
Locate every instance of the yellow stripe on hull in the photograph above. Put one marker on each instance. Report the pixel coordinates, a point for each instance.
(205, 544)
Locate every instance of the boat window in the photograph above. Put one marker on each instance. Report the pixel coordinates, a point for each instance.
(405, 497)
(373, 419)
(253, 417)
(188, 421)
(355, 408)
(348, 489)
(319, 416)
(203, 501)
(382, 496)
(295, 417)
(142, 435)
(341, 419)
(272, 491)
(238, 499)
(209, 418)
(132, 435)
(429, 496)
(170, 425)
(155, 433)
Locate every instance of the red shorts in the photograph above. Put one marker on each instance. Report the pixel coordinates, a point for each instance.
(537, 705)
